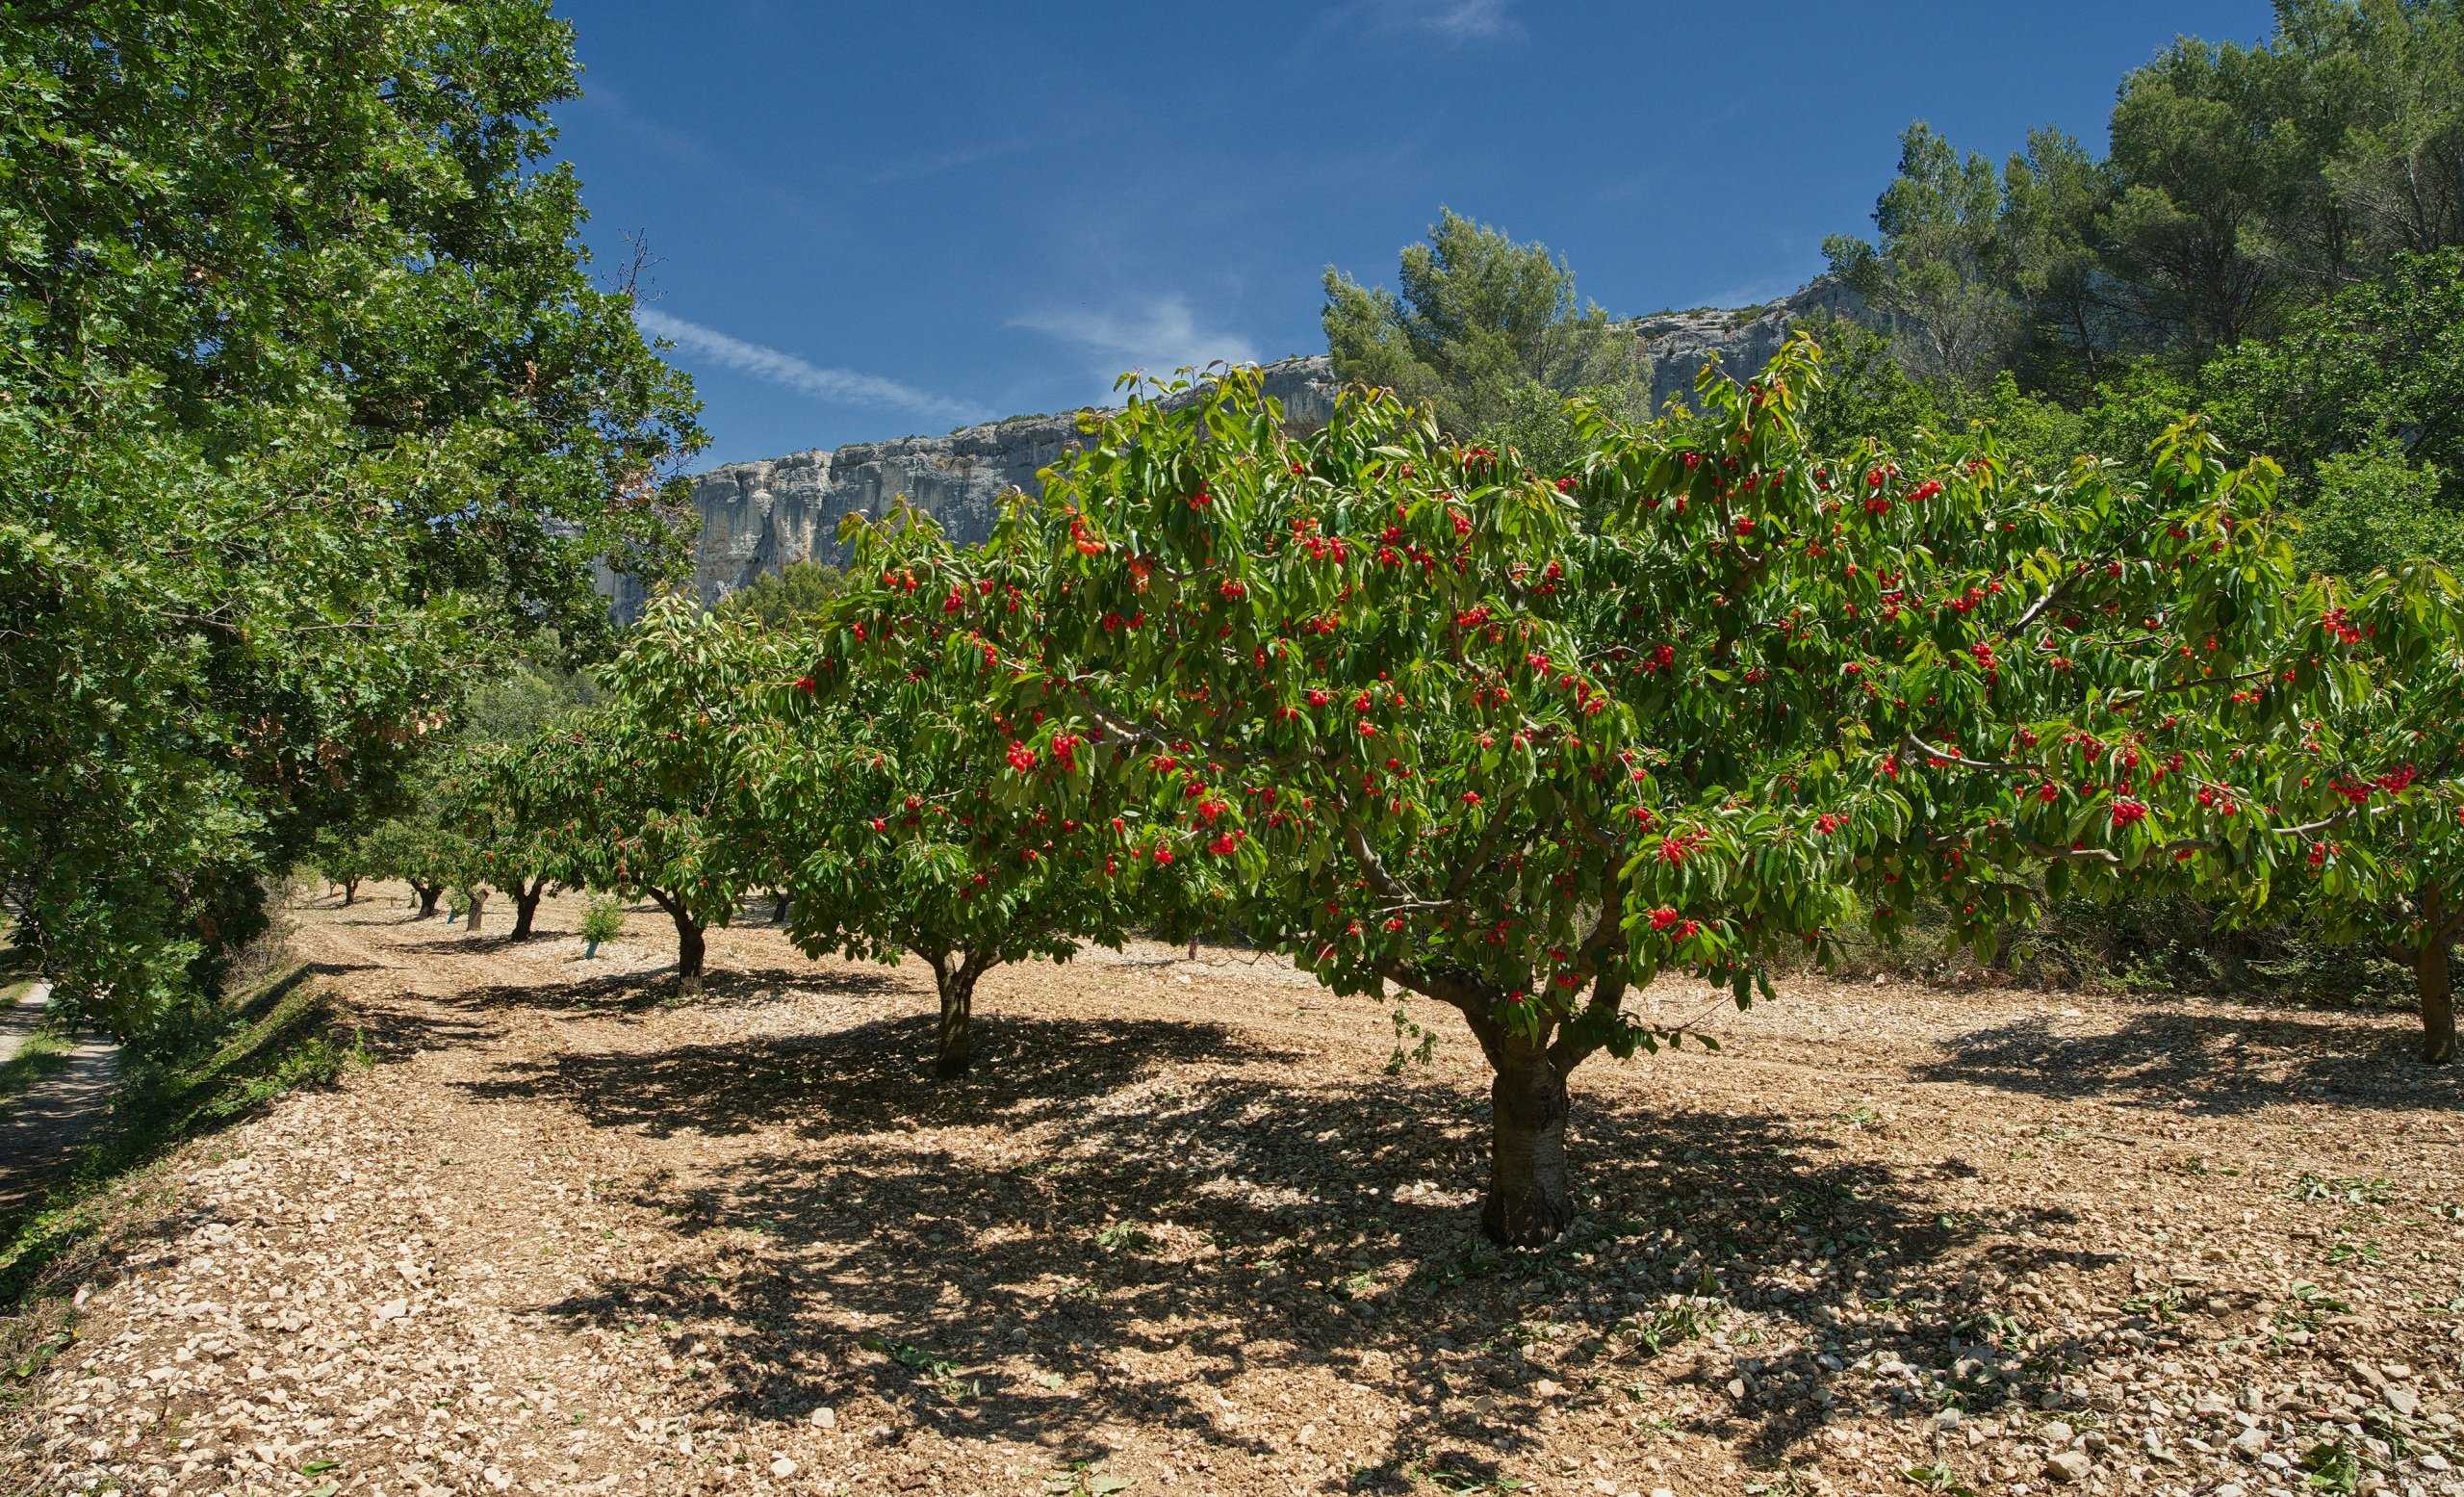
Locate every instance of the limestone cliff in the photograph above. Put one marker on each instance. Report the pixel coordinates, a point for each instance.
(757, 517)
(1742, 339)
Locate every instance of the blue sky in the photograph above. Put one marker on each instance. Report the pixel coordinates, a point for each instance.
(870, 221)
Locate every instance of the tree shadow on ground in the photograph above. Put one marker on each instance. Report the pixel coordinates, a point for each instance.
(633, 991)
(979, 1256)
(2215, 1063)
(401, 916)
(871, 1077)
(196, 1080)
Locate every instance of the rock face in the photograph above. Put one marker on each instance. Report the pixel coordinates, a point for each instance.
(1742, 340)
(757, 517)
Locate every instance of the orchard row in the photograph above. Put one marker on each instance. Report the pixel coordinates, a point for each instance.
(1443, 729)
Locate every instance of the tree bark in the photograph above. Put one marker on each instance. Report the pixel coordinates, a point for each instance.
(478, 902)
(689, 945)
(954, 1048)
(350, 891)
(526, 907)
(428, 894)
(2435, 979)
(1530, 1186)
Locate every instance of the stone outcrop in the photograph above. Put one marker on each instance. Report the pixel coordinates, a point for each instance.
(757, 517)
(1742, 339)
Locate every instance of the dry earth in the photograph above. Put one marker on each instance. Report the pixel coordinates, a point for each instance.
(1180, 1231)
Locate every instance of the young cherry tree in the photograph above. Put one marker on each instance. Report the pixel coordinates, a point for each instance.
(1518, 743)
(491, 804)
(639, 796)
(345, 857)
(910, 835)
(418, 848)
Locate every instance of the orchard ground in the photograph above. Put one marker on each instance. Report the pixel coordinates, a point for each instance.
(1180, 1230)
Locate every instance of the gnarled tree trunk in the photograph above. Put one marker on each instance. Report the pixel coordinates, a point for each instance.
(953, 1041)
(525, 906)
(1530, 1198)
(2438, 1007)
(2434, 978)
(428, 894)
(689, 945)
(478, 902)
(350, 891)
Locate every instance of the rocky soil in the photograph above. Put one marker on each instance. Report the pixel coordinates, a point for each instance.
(1181, 1234)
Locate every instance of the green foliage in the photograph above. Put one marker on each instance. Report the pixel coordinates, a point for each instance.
(640, 796)
(1939, 277)
(908, 837)
(2243, 185)
(603, 920)
(1490, 333)
(422, 849)
(2367, 383)
(2373, 509)
(794, 594)
(306, 400)
(2197, 168)
(525, 697)
(1516, 746)
(1868, 394)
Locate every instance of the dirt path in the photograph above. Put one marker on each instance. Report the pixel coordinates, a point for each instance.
(42, 1127)
(1181, 1230)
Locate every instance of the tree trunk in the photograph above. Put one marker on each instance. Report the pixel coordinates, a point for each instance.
(428, 894)
(1531, 1188)
(478, 902)
(689, 947)
(350, 891)
(1192, 948)
(2435, 979)
(526, 907)
(954, 1049)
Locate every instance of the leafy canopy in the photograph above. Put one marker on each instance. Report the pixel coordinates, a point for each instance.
(308, 399)
(1517, 742)
(1490, 333)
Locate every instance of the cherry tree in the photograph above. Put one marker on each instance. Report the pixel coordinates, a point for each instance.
(418, 848)
(2381, 773)
(1518, 743)
(639, 796)
(496, 807)
(909, 834)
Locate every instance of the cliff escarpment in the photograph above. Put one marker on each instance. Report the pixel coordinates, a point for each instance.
(757, 517)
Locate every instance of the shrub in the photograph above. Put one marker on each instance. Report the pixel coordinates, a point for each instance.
(603, 920)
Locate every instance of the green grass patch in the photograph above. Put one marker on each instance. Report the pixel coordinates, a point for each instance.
(197, 1074)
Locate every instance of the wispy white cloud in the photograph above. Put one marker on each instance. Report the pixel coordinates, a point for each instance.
(715, 173)
(1156, 335)
(681, 146)
(907, 169)
(1457, 21)
(781, 368)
